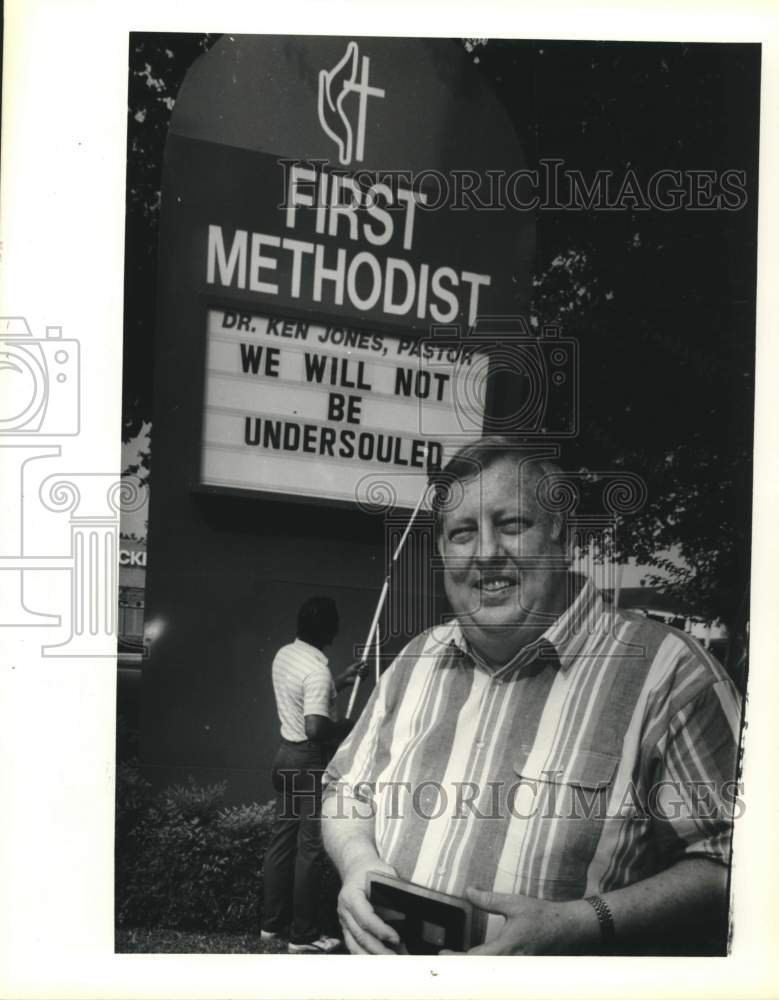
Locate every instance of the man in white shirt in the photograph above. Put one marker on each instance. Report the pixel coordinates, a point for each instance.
(305, 700)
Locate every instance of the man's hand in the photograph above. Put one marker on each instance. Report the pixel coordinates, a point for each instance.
(348, 835)
(364, 932)
(349, 676)
(536, 926)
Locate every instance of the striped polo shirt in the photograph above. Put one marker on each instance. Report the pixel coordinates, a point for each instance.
(303, 685)
(601, 755)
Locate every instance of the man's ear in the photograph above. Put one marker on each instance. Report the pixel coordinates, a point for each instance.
(439, 543)
(558, 532)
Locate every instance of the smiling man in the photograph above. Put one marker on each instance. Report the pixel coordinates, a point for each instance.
(566, 767)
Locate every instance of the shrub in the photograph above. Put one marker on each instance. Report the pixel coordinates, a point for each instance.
(184, 860)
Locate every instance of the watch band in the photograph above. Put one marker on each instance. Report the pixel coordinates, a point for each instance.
(607, 930)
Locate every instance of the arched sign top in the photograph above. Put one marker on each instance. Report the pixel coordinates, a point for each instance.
(332, 228)
(360, 103)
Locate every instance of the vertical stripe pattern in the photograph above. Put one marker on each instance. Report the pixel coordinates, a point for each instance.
(603, 754)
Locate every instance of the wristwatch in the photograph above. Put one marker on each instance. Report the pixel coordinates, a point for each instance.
(605, 919)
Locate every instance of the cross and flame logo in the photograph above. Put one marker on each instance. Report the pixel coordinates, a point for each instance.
(334, 86)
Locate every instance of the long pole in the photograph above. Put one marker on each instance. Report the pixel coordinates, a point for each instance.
(372, 632)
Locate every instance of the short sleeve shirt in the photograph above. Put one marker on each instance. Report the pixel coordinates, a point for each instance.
(598, 757)
(303, 685)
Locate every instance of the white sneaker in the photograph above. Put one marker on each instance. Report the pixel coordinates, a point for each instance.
(322, 946)
(269, 936)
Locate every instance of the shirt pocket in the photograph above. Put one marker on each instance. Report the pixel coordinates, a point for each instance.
(588, 773)
(564, 804)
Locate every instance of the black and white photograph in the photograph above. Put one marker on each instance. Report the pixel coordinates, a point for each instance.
(439, 370)
(388, 476)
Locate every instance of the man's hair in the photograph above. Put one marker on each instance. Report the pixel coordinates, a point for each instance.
(476, 457)
(318, 621)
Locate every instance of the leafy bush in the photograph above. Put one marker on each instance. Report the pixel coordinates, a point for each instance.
(184, 860)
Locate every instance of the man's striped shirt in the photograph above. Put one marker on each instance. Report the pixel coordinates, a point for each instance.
(601, 755)
(303, 685)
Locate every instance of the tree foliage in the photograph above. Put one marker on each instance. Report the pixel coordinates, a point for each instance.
(157, 66)
(662, 303)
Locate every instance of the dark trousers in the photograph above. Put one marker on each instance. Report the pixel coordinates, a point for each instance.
(292, 871)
